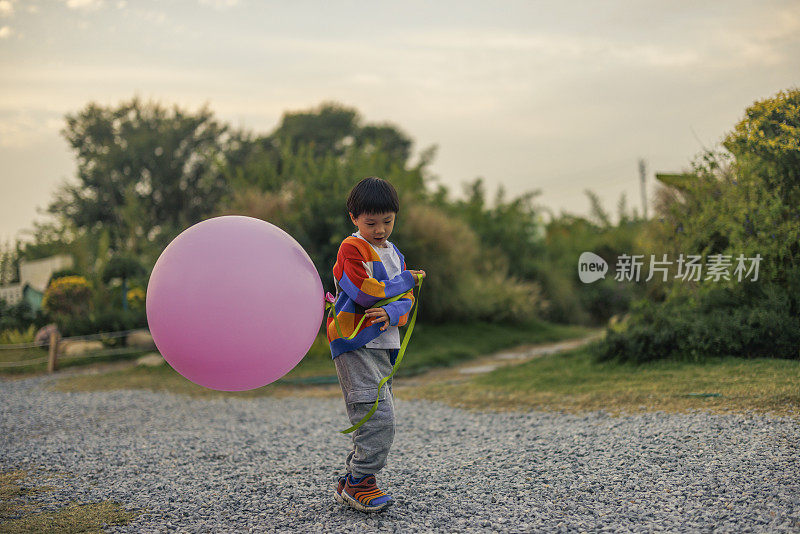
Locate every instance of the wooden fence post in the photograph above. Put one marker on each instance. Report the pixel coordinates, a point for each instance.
(53, 360)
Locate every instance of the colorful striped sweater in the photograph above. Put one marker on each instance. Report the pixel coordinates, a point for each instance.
(361, 281)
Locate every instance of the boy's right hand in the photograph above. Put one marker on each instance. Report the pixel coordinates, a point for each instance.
(415, 273)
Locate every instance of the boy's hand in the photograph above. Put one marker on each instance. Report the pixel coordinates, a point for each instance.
(415, 273)
(379, 314)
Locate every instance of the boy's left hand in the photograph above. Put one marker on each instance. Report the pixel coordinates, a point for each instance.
(379, 314)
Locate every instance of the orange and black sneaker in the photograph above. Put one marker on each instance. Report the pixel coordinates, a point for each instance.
(339, 487)
(362, 494)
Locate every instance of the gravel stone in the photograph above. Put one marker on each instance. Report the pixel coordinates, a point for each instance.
(270, 465)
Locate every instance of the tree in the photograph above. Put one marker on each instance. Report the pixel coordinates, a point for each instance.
(143, 169)
(387, 138)
(331, 128)
(308, 200)
(513, 228)
(739, 203)
(745, 200)
(9, 263)
(768, 140)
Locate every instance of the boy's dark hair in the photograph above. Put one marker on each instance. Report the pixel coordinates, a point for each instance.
(372, 195)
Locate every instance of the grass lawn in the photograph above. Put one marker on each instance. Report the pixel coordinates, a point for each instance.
(447, 344)
(571, 382)
(431, 346)
(568, 381)
(40, 367)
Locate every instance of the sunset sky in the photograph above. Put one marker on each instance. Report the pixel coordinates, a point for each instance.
(557, 96)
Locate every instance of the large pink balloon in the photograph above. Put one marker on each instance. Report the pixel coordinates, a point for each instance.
(234, 303)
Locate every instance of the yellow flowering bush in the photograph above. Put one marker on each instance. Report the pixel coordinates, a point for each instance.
(68, 295)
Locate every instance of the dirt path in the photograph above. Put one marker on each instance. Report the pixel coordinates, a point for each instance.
(465, 371)
(461, 372)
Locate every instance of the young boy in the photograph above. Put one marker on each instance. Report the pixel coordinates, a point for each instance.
(369, 268)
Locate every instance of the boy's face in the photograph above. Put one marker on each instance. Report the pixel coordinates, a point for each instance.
(375, 227)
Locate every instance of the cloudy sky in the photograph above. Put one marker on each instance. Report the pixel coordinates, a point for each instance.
(556, 96)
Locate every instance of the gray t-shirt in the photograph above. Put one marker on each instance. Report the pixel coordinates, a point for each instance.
(389, 338)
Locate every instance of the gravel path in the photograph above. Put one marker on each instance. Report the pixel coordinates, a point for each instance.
(269, 465)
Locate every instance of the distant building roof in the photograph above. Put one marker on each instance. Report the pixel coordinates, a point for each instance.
(37, 273)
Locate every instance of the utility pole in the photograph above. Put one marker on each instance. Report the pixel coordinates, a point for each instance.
(642, 175)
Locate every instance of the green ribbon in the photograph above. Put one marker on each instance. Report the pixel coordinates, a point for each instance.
(402, 351)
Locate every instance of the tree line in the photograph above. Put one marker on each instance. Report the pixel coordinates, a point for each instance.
(147, 171)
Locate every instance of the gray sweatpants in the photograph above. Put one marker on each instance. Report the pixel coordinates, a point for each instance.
(359, 372)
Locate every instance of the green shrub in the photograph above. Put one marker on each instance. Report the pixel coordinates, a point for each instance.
(16, 336)
(113, 320)
(564, 298)
(63, 273)
(742, 202)
(751, 321)
(68, 296)
(461, 284)
(605, 298)
(18, 317)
